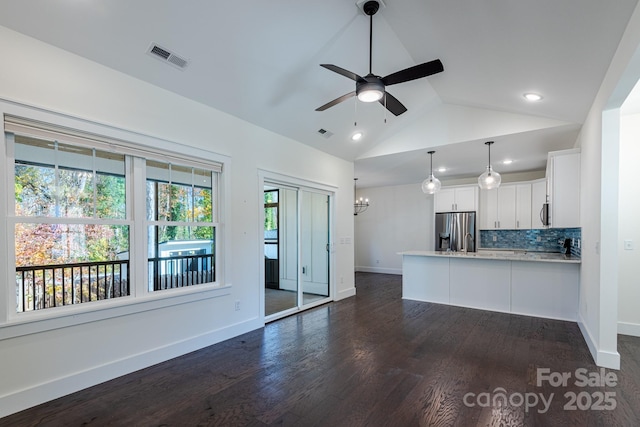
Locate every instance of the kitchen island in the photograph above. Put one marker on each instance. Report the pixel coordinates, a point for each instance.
(533, 284)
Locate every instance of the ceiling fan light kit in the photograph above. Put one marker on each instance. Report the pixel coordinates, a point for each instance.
(369, 91)
(372, 88)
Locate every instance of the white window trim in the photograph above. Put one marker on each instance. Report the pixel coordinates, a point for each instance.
(16, 324)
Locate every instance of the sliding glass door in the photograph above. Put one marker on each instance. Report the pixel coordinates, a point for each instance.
(296, 249)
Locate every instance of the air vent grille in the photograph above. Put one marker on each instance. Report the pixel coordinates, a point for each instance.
(327, 134)
(167, 56)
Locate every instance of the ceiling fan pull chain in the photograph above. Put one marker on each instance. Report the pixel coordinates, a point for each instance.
(385, 108)
(355, 112)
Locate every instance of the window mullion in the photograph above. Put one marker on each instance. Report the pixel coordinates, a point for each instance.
(138, 260)
(95, 182)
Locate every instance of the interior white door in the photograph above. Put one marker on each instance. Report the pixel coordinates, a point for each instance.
(314, 237)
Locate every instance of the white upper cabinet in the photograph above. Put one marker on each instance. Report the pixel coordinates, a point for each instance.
(563, 174)
(507, 207)
(538, 199)
(523, 206)
(498, 208)
(457, 199)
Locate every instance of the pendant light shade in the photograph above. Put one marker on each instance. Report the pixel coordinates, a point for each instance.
(490, 179)
(431, 185)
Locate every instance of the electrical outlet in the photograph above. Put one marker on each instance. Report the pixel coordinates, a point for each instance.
(538, 239)
(237, 305)
(495, 238)
(628, 245)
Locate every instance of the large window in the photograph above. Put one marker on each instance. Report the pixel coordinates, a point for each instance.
(78, 206)
(181, 231)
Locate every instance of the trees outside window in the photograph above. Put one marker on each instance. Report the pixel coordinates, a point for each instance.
(73, 222)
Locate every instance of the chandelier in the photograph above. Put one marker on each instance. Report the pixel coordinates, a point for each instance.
(361, 204)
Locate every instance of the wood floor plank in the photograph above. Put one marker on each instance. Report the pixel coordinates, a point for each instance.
(370, 360)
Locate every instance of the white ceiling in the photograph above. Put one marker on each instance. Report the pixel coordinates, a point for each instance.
(259, 60)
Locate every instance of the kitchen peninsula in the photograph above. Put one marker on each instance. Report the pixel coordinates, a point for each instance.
(529, 283)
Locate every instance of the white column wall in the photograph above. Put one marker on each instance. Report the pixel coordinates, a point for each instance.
(629, 227)
(400, 218)
(81, 355)
(598, 140)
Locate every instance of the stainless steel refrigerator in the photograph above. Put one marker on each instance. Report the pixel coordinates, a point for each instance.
(456, 231)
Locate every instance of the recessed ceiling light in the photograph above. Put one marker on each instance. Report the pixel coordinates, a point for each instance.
(442, 170)
(507, 162)
(532, 97)
(356, 136)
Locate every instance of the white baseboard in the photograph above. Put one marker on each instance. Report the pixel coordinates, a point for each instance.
(632, 329)
(345, 293)
(32, 396)
(397, 271)
(605, 359)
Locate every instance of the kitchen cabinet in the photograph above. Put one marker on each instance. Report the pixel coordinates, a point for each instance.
(498, 208)
(457, 199)
(538, 199)
(506, 208)
(523, 206)
(532, 288)
(563, 175)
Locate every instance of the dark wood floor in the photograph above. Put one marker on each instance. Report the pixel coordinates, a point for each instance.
(372, 360)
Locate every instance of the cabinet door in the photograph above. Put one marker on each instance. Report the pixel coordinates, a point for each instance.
(445, 200)
(466, 198)
(565, 191)
(507, 207)
(523, 206)
(488, 211)
(538, 198)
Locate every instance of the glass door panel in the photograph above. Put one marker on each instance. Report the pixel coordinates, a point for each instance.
(280, 249)
(314, 242)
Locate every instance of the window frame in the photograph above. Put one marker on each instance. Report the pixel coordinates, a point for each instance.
(13, 323)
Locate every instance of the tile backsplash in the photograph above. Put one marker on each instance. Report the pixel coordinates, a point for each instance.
(544, 240)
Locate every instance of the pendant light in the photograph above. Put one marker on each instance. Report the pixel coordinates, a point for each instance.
(432, 184)
(360, 204)
(490, 179)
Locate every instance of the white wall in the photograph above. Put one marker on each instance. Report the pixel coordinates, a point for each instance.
(399, 218)
(599, 142)
(82, 354)
(629, 227)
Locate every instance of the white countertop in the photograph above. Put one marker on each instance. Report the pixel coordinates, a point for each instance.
(504, 255)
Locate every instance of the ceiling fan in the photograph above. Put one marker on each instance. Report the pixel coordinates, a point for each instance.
(371, 88)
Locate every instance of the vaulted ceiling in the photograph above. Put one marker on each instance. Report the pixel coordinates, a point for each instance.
(259, 60)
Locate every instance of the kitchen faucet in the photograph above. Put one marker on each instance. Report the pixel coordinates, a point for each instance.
(466, 247)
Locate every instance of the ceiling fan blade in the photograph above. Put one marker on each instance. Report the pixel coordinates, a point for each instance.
(342, 71)
(337, 101)
(413, 73)
(392, 104)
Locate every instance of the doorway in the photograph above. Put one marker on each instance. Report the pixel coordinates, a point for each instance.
(296, 249)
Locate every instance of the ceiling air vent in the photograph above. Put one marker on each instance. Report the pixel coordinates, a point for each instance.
(327, 134)
(166, 55)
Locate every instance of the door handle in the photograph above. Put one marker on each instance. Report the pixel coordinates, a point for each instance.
(517, 224)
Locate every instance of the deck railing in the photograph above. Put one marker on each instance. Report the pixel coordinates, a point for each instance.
(181, 271)
(40, 287)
